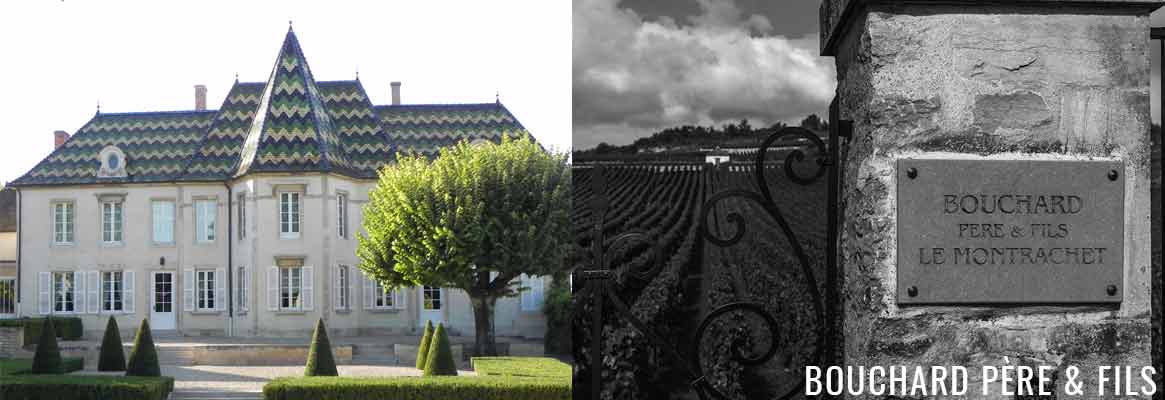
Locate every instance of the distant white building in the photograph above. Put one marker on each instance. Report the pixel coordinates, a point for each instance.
(242, 220)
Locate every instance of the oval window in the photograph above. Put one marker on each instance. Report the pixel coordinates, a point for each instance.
(113, 162)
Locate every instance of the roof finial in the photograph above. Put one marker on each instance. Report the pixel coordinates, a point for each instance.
(497, 97)
(289, 25)
(236, 77)
(357, 73)
(98, 106)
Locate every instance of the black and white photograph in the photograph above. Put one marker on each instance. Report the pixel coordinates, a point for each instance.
(866, 199)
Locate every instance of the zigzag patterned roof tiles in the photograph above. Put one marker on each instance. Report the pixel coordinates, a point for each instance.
(305, 126)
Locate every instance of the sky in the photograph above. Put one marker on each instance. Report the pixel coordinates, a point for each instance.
(63, 57)
(643, 65)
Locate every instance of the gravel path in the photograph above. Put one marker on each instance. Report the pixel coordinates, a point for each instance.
(222, 382)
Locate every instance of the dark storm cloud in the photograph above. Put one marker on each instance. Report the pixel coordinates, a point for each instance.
(633, 75)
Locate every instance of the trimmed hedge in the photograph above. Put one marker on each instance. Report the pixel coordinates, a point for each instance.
(47, 359)
(143, 359)
(439, 360)
(538, 367)
(23, 366)
(414, 388)
(68, 328)
(320, 360)
(112, 356)
(423, 349)
(85, 387)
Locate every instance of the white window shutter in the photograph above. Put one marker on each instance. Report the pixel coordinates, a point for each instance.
(337, 284)
(45, 297)
(247, 288)
(308, 294)
(79, 293)
(154, 293)
(127, 297)
(188, 290)
(352, 272)
(273, 289)
(398, 298)
(367, 293)
(220, 289)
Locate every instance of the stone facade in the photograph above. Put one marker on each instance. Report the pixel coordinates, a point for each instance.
(1042, 80)
(318, 246)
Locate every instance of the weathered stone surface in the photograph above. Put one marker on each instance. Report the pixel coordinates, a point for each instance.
(831, 11)
(1002, 82)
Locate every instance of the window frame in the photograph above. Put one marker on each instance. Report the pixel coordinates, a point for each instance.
(115, 228)
(342, 215)
(70, 222)
(345, 273)
(154, 221)
(204, 290)
(205, 234)
(107, 293)
(242, 283)
(381, 295)
(242, 215)
(68, 298)
(287, 302)
(295, 217)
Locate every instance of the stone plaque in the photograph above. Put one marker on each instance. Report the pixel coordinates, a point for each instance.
(1010, 231)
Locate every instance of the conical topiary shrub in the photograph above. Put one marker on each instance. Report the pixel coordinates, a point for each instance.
(423, 349)
(112, 357)
(47, 359)
(440, 357)
(143, 359)
(320, 361)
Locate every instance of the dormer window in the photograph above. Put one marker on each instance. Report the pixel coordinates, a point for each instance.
(112, 163)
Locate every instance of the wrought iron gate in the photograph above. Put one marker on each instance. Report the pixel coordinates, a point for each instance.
(604, 290)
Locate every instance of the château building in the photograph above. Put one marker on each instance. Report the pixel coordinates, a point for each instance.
(242, 220)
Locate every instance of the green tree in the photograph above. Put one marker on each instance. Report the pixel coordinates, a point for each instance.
(423, 349)
(112, 357)
(440, 358)
(320, 360)
(475, 218)
(47, 359)
(143, 359)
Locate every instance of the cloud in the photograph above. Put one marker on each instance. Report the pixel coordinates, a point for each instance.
(632, 76)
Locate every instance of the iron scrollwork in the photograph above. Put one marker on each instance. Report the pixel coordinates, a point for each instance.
(600, 279)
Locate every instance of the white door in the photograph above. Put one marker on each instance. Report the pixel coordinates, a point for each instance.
(162, 299)
(431, 304)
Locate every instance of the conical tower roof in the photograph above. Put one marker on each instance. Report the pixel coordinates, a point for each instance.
(291, 130)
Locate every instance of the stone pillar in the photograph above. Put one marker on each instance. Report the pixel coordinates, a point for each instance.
(1034, 80)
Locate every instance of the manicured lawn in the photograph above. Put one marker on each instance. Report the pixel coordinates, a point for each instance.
(85, 387)
(499, 378)
(545, 367)
(10, 366)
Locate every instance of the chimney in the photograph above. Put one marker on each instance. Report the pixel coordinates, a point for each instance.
(59, 138)
(396, 93)
(200, 97)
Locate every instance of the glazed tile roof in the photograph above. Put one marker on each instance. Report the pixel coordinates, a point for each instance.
(306, 126)
(426, 128)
